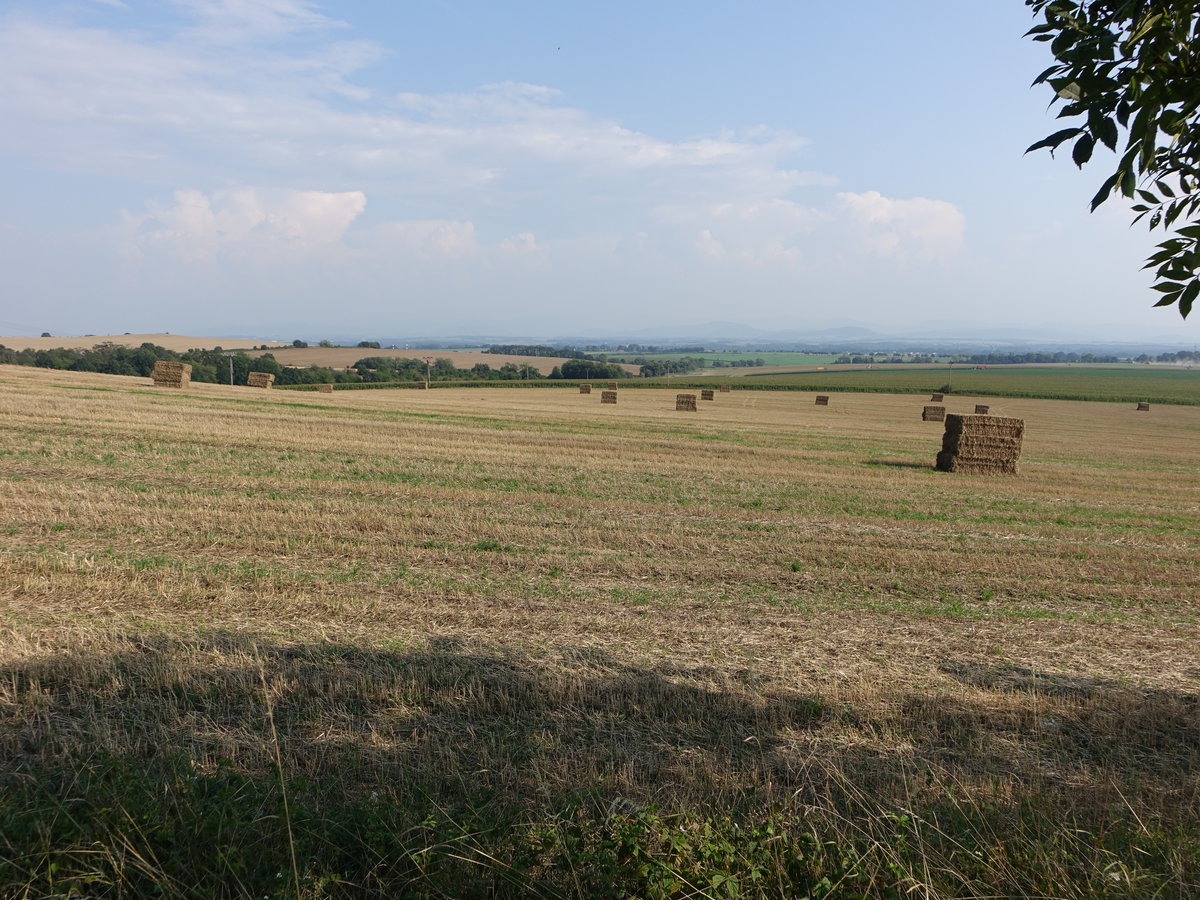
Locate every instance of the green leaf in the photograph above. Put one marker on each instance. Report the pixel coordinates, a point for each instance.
(1106, 131)
(1191, 231)
(1105, 190)
(1055, 139)
(1082, 150)
(1128, 184)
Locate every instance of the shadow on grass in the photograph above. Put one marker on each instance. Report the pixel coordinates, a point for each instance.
(899, 463)
(194, 767)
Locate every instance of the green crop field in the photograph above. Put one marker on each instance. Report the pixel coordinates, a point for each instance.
(769, 357)
(1123, 383)
(473, 643)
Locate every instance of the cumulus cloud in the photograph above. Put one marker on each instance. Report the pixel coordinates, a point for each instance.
(198, 226)
(917, 228)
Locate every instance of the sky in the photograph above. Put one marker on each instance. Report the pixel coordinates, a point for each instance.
(284, 168)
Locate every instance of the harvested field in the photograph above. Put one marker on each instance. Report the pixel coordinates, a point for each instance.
(482, 636)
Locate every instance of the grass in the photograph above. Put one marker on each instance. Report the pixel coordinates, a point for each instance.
(465, 643)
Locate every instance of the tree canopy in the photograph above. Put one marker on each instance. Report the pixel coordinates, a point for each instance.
(1131, 69)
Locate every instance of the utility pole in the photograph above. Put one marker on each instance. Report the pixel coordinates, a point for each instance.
(428, 361)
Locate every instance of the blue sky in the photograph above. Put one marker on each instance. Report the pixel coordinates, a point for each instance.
(283, 167)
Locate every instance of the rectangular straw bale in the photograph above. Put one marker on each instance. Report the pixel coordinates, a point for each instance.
(707, 395)
(260, 380)
(608, 396)
(168, 373)
(585, 389)
(612, 385)
(325, 388)
(1143, 406)
(937, 398)
(421, 386)
(725, 389)
(822, 400)
(981, 409)
(933, 414)
(686, 402)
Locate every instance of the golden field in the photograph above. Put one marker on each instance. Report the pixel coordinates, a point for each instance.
(764, 607)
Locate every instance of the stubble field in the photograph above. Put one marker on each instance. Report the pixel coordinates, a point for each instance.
(476, 643)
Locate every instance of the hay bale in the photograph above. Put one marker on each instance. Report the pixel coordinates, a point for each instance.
(585, 389)
(612, 385)
(707, 395)
(933, 414)
(981, 444)
(325, 388)
(937, 398)
(822, 400)
(171, 374)
(262, 380)
(422, 385)
(725, 389)
(981, 409)
(608, 396)
(1143, 406)
(685, 402)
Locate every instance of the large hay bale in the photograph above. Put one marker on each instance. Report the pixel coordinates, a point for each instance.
(612, 385)
(171, 374)
(608, 396)
(981, 444)
(822, 400)
(585, 389)
(422, 385)
(685, 402)
(937, 398)
(707, 395)
(933, 414)
(1143, 406)
(981, 409)
(725, 389)
(260, 380)
(325, 388)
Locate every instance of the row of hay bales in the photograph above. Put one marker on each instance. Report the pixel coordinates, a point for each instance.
(171, 374)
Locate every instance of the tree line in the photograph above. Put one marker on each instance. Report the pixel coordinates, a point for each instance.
(224, 367)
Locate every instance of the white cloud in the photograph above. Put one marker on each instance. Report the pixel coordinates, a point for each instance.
(199, 226)
(918, 228)
(427, 239)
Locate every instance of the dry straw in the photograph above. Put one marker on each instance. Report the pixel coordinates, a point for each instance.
(585, 389)
(608, 396)
(685, 402)
(981, 409)
(981, 444)
(822, 399)
(725, 389)
(612, 385)
(937, 398)
(1143, 406)
(171, 374)
(707, 395)
(260, 380)
(933, 414)
(325, 388)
